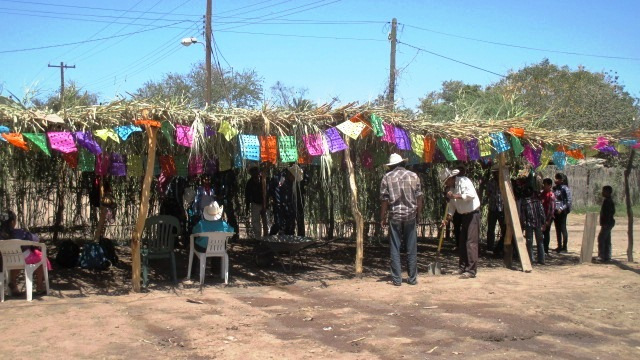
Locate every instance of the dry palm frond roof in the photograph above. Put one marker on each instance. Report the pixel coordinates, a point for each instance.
(277, 120)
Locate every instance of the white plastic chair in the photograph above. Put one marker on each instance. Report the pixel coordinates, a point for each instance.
(13, 259)
(216, 247)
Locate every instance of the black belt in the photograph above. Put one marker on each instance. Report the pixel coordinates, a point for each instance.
(471, 212)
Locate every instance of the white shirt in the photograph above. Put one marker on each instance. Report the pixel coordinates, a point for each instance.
(469, 202)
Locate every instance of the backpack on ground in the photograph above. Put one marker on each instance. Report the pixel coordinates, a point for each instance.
(68, 254)
(109, 250)
(93, 257)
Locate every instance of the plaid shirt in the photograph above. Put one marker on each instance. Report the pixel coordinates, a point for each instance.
(494, 196)
(401, 188)
(531, 213)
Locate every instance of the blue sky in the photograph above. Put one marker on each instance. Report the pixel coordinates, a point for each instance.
(332, 47)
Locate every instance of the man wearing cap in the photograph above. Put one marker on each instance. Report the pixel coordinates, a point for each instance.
(401, 196)
(211, 221)
(464, 200)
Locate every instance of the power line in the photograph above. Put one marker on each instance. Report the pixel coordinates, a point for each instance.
(87, 41)
(266, 7)
(301, 36)
(521, 46)
(93, 8)
(244, 7)
(448, 58)
(86, 15)
(262, 19)
(80, 19)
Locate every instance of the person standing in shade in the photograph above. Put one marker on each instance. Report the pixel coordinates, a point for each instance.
(496, 213)
(549, 206)
(464, 200)
(607, 222)
(532, 219)
(563, 208)
(401, 197)
(254, 202)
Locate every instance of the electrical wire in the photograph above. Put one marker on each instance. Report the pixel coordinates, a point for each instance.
(29, 12)
(448, 58)
(521, 46)
(300, 36)
(94, 8)
(244, 7)
(80, 19)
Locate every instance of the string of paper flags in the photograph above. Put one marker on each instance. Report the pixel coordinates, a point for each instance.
(81, 150)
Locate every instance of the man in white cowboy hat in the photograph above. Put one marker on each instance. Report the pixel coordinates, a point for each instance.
(464, 200)
(401, 196)
(211, 221)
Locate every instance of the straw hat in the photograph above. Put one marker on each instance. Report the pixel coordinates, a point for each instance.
(395, 159)
(446, 174)
(213, 212)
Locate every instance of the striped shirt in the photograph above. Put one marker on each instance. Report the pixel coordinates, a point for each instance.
(401, 188)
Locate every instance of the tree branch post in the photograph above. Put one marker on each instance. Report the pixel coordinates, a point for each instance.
(627, 194)
(144, 208)
(354, 209)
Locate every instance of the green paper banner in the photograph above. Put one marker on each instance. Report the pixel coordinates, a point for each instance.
(40, 140)
(445, 146)
(288, 149)
(376, 123)
(516, 145)
(182, 164)
(167, 132)
(86, 161)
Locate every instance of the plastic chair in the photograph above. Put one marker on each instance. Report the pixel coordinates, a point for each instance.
(216, 247)
(13, 259)
(158, 241)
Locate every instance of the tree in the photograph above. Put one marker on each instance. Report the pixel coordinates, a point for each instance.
(73, 96)
(291, 98)
(241, 89)
(444, 105)
(571, 99)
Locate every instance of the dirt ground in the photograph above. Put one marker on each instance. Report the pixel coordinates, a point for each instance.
(560, 310)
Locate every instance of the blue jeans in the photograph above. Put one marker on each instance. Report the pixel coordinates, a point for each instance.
(403, 231)
(529, 232)
(604, 243)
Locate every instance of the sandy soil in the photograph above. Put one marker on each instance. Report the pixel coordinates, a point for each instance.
(560, 310)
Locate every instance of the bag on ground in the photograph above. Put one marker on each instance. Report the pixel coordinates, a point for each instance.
(68, 254)
(93, 257)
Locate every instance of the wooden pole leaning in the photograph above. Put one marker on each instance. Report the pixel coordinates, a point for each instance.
(588, 237)
(514, 231)
(152, 133)
(354, 209)
(627, 196)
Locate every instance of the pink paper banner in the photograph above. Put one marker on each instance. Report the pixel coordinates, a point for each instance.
(459, 149)
(62, 141)
(389, 133)
(314, 144)
(184, 135)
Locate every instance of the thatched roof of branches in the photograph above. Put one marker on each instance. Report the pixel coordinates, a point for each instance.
(278, 121)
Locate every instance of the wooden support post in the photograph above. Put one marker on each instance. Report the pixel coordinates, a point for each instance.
(144, 208)
(511, 215)
(102, 215)
(354, 209)
(627, 195)
(588, 237)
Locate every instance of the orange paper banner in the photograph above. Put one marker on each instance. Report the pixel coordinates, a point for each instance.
(151, 123)
(269, 149)
(17, 140)
(429, 148)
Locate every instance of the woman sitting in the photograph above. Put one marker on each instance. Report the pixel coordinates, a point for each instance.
(32, 255)
(211, 221)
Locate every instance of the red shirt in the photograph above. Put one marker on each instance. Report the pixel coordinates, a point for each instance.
(548, 203)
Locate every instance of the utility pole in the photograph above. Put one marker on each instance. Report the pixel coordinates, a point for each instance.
(392, 70)
(207, 37)
(62, 66)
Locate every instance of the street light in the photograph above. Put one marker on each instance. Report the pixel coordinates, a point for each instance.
(191, 40)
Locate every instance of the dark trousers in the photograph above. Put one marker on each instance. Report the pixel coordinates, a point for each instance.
(604, 243)
(560, 221)
(403, 231)
(529, 233)
(493, 217)
(546, 234)
(468, 242)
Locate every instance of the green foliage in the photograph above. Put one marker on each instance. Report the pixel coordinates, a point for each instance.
(571, 99)
(74, 96)
(240, 89)
(291, 98)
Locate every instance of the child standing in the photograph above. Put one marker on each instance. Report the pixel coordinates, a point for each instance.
(532, 219)
(549, 205)
(607, 222)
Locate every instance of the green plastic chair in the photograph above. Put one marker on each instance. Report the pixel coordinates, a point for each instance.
(158, 241)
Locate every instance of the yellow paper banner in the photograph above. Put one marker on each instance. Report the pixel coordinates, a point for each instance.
(351, 129)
